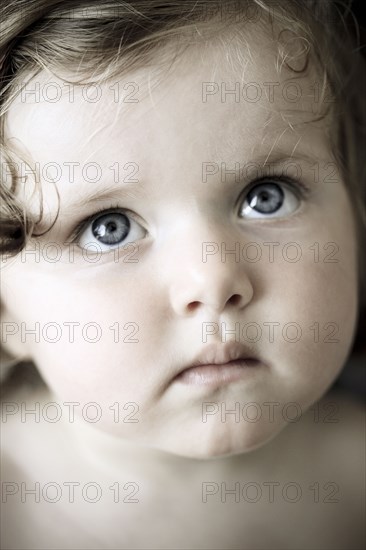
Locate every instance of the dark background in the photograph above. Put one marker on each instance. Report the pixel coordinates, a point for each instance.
(359, 9)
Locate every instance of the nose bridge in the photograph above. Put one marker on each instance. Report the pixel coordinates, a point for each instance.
(206, 244)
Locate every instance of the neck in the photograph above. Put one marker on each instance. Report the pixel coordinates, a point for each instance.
(111, 457)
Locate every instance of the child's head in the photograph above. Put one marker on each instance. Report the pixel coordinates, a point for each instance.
(211, 127)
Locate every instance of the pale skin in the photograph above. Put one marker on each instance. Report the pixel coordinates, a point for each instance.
(168, 294)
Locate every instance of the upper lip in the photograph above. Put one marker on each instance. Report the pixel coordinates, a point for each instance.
(215, 354)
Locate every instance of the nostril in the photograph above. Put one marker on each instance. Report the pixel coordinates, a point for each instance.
(235, 299)
(192, 306)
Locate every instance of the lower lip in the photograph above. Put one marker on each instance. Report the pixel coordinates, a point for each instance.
(206, 375)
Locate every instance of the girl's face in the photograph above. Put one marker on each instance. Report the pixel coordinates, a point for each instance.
(212, 257)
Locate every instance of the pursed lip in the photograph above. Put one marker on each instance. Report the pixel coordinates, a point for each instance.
(220, 354)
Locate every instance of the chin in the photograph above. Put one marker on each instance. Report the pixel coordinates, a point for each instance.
(222, 442)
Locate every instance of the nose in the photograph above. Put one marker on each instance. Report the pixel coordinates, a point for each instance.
(214, 282)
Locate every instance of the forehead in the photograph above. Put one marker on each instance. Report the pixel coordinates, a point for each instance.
(213, 102)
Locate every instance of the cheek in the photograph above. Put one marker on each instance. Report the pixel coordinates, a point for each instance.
(315, 302)
(95, 340)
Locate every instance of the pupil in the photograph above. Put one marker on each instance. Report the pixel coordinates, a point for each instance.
(266, 198)
(111, 228)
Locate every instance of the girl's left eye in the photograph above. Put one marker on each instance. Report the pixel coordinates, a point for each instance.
(269, 199)
(110, 229)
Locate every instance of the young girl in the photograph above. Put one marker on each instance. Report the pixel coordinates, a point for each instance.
(183, 214)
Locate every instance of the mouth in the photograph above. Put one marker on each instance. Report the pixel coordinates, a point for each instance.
(219, 365)
(212, 374)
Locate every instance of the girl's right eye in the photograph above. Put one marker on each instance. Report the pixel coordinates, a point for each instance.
(109, 229)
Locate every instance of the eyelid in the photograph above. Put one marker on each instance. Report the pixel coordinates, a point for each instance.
(294, 184)
(80, 226)
(297, 186)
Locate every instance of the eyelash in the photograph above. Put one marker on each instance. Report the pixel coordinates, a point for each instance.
(296, 185)
(81, 225)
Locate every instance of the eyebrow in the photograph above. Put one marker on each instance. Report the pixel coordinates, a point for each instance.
(113, 192)
(265, 162)
(69, 208)
(117, 192)
(278, 157)
(135, 191)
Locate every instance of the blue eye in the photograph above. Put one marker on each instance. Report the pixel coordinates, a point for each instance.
(109, 229)
(269, 199)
